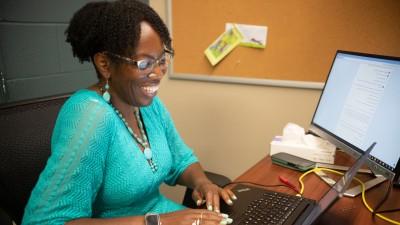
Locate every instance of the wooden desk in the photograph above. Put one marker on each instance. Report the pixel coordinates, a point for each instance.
(345, 210)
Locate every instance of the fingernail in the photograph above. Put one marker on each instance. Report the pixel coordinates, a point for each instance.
(224, 215)
(226, 221)
(198, 202)
(209, 207)
(234, 197)
(230, 202)
(217, 210)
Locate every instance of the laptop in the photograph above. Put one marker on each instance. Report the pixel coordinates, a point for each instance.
(261, 206)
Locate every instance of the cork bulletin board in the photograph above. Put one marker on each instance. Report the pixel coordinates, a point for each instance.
(303, 37)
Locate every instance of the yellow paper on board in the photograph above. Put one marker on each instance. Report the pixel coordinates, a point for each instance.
(223, 45)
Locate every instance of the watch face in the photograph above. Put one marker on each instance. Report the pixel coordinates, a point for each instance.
(152, 219)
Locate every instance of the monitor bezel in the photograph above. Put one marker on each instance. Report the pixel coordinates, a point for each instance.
(343, 144)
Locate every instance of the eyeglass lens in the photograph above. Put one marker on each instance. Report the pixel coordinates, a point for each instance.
(147, 65)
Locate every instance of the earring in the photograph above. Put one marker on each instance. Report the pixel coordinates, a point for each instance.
(106, 94)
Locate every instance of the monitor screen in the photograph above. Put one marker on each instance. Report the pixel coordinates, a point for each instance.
(359, 105)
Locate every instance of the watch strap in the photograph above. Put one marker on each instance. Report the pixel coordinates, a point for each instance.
(152, 219)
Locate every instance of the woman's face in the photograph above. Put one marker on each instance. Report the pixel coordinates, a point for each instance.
(132, 86)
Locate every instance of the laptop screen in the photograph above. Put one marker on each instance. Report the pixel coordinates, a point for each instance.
(338, 189)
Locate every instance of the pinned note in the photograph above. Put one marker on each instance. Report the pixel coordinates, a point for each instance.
(223, 45)
(253, 36)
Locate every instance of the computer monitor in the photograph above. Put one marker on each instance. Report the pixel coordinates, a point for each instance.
(359, 105)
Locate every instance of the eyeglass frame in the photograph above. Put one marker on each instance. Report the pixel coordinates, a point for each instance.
(136, 63)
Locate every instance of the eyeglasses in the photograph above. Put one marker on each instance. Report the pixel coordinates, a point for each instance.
(147, 65)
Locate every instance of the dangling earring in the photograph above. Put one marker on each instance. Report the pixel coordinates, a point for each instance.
(106, 94)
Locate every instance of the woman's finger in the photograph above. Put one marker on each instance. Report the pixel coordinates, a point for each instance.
(216, 202)
(226, 196)
(209, 200)
(231, 194)
(210, 217)
(197, 197)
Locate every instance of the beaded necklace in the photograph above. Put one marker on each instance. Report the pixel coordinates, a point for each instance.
(142, 141)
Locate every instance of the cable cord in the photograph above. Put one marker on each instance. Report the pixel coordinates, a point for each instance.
(388, 211)
(380, 203)
(362, 193)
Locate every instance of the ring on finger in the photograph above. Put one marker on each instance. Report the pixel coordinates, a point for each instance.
(196, 222)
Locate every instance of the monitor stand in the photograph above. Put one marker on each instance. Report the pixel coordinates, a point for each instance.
(356, 190)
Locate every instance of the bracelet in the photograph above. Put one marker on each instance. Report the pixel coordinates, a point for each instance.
(152, 219)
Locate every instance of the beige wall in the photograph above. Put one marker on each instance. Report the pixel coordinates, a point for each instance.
(229, 126)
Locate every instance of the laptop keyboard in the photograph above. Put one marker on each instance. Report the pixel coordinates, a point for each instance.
(272, 208)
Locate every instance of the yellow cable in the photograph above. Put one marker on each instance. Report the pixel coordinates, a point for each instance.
(301, 179)
(362, 192)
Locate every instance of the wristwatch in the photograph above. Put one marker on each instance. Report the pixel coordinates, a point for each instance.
(152, 219)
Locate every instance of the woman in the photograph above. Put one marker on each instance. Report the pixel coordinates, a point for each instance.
(115, 143)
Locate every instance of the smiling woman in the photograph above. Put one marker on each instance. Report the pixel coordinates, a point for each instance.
(114, 143)
(129, 84)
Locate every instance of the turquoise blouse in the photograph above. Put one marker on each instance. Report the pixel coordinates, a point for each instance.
(96, 169)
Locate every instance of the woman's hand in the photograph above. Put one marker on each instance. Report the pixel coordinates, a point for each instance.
(194, 217)
(209, 193)
(204, 191)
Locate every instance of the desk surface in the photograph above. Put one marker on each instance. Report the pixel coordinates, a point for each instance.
(345, 210)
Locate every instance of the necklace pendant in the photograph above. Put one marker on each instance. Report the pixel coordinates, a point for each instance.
(143, 142)
(147, 153)
(106, 96)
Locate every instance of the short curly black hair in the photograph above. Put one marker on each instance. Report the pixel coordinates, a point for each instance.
(112, 26)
